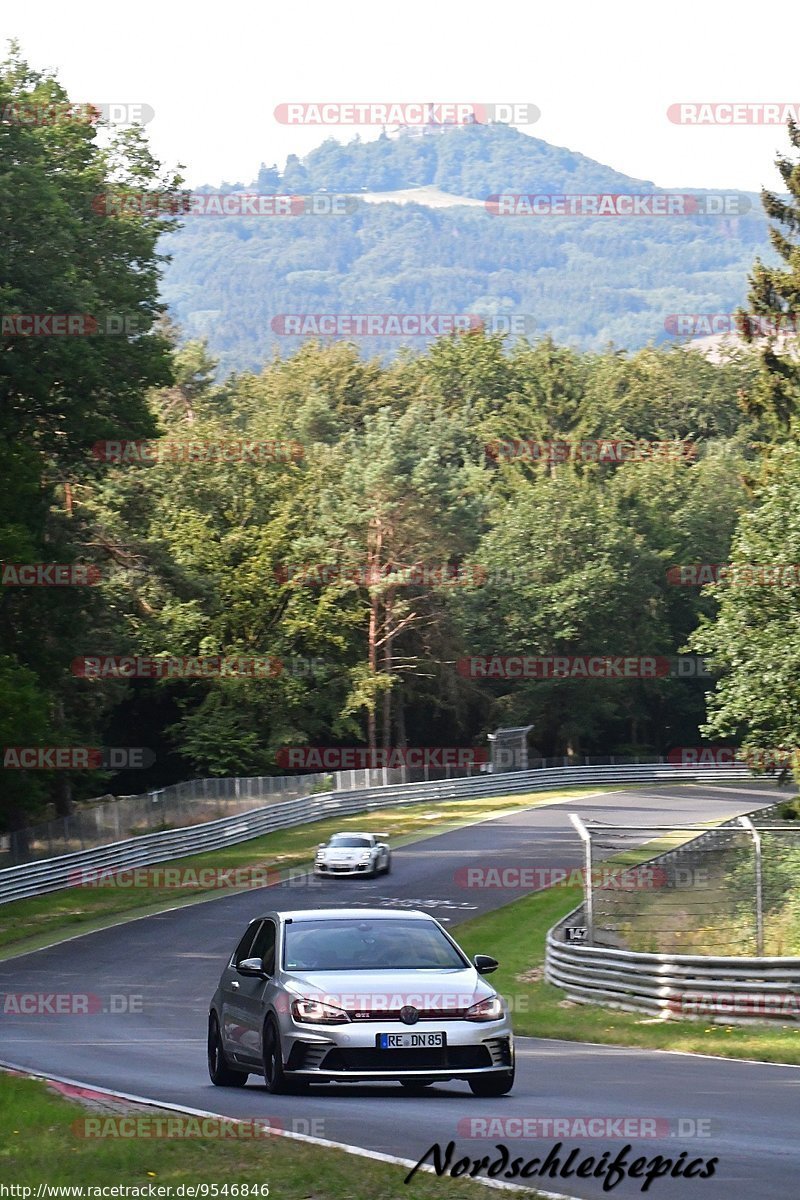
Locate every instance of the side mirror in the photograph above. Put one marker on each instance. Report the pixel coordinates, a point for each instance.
(252, 966)
(321, 845)
(485, 964)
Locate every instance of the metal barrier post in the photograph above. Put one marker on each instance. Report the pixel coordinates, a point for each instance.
(756, 836)
(588, 900)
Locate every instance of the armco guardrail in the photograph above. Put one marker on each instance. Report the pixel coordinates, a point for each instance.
(101, 821)
(50, 875)
(725, 989)
(719, 988)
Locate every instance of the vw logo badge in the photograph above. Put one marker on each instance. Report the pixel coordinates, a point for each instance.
(409, 1015)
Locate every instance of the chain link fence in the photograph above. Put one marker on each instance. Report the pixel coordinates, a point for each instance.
(731, 890)
(101, 822)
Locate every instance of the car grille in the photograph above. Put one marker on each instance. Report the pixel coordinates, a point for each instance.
(436, 1059)
(393, 1014)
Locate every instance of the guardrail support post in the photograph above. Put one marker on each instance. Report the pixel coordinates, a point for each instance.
(588, 901)
(756, 836)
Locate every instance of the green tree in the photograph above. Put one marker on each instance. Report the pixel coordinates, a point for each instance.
(398, 508)
(774, 298)
(755, 639)
(61, 394)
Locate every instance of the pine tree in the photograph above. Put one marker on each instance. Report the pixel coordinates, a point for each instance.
(774, 300)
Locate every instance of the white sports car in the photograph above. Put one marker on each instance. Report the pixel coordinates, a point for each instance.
(354, 854)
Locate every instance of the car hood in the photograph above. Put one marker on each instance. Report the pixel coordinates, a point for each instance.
(375, 991)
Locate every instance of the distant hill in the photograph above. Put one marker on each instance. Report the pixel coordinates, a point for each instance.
(475, 160)
(587, 280)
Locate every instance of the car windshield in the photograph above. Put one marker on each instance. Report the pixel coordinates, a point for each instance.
(373, 945)
(345, 839)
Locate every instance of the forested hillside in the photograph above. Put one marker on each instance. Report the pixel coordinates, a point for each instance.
(586, 281)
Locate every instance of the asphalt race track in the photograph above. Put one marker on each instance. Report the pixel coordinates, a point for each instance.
(750, 1111)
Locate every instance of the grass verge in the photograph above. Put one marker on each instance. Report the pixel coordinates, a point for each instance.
(517, 934)
(38, 921)
(40, 1146)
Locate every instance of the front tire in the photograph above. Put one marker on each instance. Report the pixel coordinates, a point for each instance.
(220, 1073)
(387, 869)
(498, 1084)
(275, 1078)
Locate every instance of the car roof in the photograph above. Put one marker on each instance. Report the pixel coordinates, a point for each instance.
(352, 914)
(352, 833)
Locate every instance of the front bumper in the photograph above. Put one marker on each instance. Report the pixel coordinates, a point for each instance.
(350, 1052)
(343, 869)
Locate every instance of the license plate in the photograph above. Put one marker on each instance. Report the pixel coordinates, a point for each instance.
(410, 1041)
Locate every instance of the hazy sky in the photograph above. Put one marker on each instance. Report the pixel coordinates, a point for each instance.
(602, 75)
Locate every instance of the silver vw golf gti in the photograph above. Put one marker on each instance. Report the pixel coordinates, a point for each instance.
(344, 995)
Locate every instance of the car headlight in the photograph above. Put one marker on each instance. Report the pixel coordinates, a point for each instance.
(314, 1012)
(366, 856)
(490, 1009)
